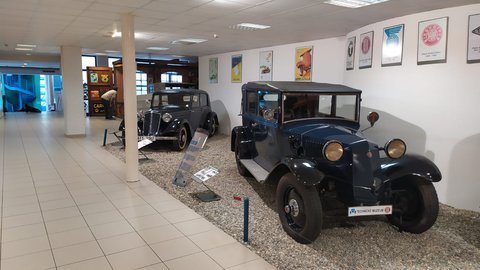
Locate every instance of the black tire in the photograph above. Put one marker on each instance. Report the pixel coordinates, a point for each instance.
(213, 126)
(299, 209)
(182, 138)
(415, 205)
(241, 169)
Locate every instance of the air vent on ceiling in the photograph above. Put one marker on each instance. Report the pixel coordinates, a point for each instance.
(249, 26)
(188, 41)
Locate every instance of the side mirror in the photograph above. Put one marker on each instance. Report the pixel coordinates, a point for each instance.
(372, 118)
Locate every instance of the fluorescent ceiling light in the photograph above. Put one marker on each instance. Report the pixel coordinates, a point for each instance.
(250, 26)
(111, 51)
(26, 45)
(189, 41)
(158, 48)
(24, 49)
(25, 64)
(116, 34)
(354, 3)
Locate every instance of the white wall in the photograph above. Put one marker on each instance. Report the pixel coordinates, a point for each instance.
(226, 96)
(434, 108)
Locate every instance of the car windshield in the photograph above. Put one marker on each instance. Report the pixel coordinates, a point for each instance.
(171, 99)
(314, 105)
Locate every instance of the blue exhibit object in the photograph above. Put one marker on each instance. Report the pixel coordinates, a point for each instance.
(246, 206)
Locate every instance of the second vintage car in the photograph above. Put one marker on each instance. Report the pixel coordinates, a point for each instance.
(175, 114)
(305, 137)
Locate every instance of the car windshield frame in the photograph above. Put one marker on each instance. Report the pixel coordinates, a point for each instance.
(333, 114)
(158, 102)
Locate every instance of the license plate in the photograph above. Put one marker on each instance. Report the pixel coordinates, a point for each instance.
(370, 210)
(151, 138)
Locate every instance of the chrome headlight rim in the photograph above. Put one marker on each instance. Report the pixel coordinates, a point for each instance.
(390, 152)
(166, 117)
(327, 151)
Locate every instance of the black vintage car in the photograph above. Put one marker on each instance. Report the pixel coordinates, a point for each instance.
(306, 137)
(175, 115)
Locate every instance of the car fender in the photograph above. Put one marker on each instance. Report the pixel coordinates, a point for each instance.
(411, 164)
(210, 115)
(176, 125)
(304, 170)
(241, 140)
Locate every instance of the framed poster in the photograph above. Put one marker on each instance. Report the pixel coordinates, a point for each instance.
(473, 55)
(266, 65)
(366, 50)
(213, 70)
(432, 41)
(350, 53)
(392, 45)
(237, 68)
(303, 63)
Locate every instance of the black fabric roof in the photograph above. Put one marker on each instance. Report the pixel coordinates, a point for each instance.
(300, 87)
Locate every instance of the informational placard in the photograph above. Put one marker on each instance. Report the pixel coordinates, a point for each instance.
(143, 143)
(266, 66)
(432, 41)
(213, 70)
(237, 68)
(392, 45)
(196, 144)
(205, 174)
(350, 53)
(366, 50)
(473, 54)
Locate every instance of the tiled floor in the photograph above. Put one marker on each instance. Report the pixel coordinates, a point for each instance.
(65, 205)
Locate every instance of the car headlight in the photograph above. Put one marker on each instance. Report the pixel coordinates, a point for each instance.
(166, 117)
(395, 148)
(333, 150)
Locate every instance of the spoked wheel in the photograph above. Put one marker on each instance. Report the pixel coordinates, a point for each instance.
(415, 205)
(182, 138)
(241, 169)
(299, 209)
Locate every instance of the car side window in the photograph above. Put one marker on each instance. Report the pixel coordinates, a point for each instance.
(195, 101)
(203, 100)
(252, 102)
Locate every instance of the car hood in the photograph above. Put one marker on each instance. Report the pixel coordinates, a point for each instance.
(321, 132)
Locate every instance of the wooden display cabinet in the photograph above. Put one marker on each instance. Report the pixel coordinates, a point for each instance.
(99, 81)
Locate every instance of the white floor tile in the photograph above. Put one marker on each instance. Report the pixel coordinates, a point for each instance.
(254, 265)
(68, 238)
(158, 266)
(133, 259)
(194, 226)
(121, 243)
(77, 253)
(96, 208)
(102, 218)
(167, 206)
(212, 239)
(34, 261)
(137, 211)
(175, 248)
(180, 215)
(56, 204)
(66, 224)
(99, 263)
(231, 255)
(159, 234)
(61, 213)
(147, 222)
(111, 229)
(23, 232)
(25, 246)
(22, 220)
(197, 261)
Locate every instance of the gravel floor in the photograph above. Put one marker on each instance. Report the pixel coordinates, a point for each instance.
(363, 243)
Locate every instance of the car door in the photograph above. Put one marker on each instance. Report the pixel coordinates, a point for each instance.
(195, 112)
(265, 128)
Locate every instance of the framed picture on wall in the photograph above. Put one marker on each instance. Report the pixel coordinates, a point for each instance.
(303, 63)
(213, 70)
(350, 53)
(266, 65)
(392, 45)
(237, 68)
(366, 50)
(473, 53)
(432, 41)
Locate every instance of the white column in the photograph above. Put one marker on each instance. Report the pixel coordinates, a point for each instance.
(73, 113)
(130, 97)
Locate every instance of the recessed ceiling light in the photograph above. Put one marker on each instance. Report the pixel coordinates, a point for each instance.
(354, 3)
(158, 48)
(26, 45)
(188, 41)
(24, 49)
(250, 26)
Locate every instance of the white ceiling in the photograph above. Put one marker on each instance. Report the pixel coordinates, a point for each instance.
(89, 23)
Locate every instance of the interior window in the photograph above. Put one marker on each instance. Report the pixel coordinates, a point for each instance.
(195, 101)
(346, 106)
(252, 102)
(268, 106)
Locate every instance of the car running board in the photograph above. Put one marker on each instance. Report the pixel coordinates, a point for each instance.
(256, 170)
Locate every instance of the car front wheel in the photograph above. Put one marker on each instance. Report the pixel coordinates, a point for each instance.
(415, 205)
(299, 209)
(181, 142)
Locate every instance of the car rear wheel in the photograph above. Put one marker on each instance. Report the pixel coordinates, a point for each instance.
(181, 142)
(415, 205)
(299, 209)
(212, 125)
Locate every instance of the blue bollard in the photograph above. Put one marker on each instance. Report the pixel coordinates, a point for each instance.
(105, 137)
(246, 203)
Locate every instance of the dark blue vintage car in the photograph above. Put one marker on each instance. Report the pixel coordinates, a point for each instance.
(305, 137)
(174, 115)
